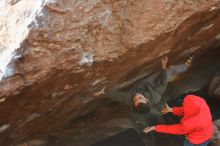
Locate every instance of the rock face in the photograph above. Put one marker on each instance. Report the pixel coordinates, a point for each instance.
(62, 51)
(214, 87)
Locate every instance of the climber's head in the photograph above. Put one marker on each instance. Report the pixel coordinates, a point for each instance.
(141, 103)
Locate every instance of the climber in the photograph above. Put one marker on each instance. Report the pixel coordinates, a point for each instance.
(148, 94)
(196, 123)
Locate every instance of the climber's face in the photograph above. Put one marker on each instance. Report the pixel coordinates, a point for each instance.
(138, 98)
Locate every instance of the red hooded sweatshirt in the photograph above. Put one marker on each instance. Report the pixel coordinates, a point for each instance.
(196, 122)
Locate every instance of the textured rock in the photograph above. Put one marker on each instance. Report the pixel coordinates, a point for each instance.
(16, 16)
(216, 136)
(36, 142)
(214, 87)
(68, 49)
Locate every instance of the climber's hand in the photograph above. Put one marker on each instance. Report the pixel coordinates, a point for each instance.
(149, 129)
(166, 109)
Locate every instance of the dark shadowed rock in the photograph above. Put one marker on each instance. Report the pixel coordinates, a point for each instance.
(214, 87)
